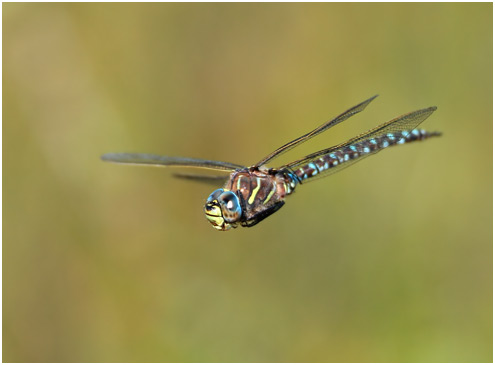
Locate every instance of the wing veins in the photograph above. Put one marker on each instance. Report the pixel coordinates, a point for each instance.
(339, 119)
(406, 122)
(165, 161)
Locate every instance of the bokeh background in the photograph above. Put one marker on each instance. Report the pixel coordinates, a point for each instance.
(390, 260)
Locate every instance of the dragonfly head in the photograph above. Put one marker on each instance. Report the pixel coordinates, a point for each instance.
(223, 209)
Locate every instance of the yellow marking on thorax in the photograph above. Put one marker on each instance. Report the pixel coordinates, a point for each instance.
(271, 193)
(255, 191)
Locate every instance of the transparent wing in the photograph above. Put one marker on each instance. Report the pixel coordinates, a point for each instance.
(403, 125)
(288, 146)
(205, 179)
(155, 160)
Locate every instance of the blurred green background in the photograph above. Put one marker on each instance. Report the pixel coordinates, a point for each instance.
(390, 260)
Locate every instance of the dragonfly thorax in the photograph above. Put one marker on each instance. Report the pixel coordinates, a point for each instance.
(249, 196)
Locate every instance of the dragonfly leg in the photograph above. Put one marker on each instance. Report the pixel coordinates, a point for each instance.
(262, 215)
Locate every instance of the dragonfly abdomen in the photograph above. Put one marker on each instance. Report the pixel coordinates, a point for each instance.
(359, 149)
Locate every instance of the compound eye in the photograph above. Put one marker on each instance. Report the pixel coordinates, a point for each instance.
(231, 208)
(214, 195)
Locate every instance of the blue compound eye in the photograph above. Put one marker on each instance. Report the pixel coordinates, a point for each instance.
(214, 195)
(223, 210)
(231, 207)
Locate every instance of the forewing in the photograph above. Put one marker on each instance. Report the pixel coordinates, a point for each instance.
(166, 161)
(342, 117)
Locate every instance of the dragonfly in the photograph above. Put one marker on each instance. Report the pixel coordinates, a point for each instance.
(251, 194)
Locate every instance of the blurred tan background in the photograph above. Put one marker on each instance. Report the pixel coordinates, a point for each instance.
(390, 260)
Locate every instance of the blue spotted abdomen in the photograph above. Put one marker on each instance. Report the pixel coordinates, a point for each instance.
(354, 151)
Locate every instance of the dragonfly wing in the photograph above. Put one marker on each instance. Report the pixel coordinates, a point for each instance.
(342, 117)
(155, 160)
(331, 160)
(216, 180)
